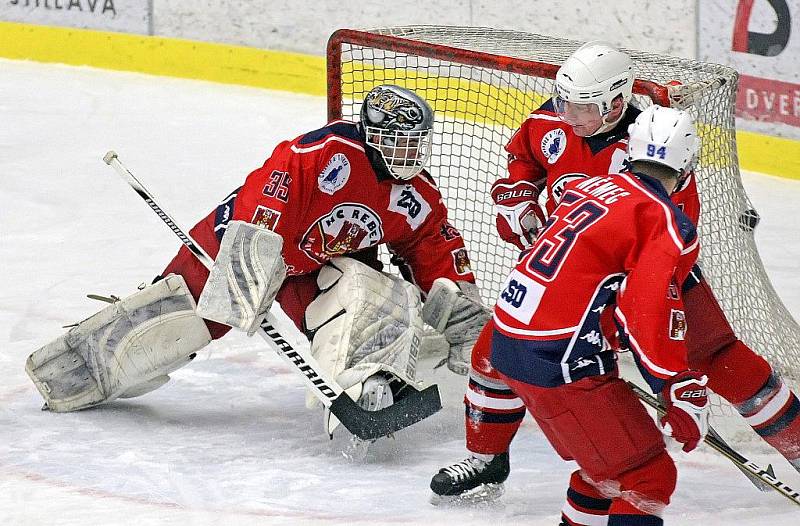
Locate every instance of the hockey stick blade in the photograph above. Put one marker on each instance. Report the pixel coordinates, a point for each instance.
(370, 425)
(766, 476)
(367, 425)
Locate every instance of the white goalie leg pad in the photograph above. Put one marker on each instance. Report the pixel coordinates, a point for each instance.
(125, 350)
(456, 311)
(246, 276)
(363, 318)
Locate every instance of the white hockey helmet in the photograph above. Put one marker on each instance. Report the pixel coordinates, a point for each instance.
(398, 123)
(595, 73)
(665, 136)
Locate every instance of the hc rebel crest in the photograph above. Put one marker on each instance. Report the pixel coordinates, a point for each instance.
(347, 228)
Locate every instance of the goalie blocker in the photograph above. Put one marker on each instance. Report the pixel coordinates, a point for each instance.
(245, 278)
(456, 311)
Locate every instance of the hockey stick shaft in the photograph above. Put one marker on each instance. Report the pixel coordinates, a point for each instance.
(743, 463)
(112, 160)
(364, 424)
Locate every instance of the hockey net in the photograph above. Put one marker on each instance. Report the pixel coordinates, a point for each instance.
(482, 83)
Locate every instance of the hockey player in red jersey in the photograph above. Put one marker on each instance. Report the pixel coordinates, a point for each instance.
(319, 207)
(583, 131)
(612, 252)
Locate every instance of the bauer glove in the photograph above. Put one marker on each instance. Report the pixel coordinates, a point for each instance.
(519, 216)
(686, 400)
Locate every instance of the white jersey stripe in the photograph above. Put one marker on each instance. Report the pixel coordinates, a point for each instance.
(543, 117)
(691, 247)
(522, 332)
(659, 371)
(321, 145)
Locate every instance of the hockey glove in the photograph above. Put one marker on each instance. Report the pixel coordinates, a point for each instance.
(519, 216)
(686, 400)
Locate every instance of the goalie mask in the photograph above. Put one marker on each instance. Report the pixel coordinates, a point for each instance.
(664, 136)
(398, 124)
(587, 84)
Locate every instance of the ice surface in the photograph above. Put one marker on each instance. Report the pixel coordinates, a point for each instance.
(229, 441)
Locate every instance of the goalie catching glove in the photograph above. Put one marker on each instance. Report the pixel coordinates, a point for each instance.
(456, 311)
(686, 400)
(125, 350)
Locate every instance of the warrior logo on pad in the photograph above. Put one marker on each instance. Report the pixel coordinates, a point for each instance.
(347, 228)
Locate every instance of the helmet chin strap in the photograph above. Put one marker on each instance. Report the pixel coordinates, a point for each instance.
(606, 126)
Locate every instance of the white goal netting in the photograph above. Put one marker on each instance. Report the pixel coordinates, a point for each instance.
(482, 83)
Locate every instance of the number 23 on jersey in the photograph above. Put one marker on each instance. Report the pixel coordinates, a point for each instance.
(522, 293)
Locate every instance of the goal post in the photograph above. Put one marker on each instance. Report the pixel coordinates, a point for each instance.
(482, 83)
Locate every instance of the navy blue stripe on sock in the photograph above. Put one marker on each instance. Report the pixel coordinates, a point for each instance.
(588, 503)
(783, 422)
(635, 520)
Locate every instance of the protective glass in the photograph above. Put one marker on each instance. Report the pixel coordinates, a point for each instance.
(574, 113)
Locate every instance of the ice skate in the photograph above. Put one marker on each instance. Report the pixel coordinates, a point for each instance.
(473, 480)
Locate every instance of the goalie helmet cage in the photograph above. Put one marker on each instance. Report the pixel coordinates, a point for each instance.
(482, 83)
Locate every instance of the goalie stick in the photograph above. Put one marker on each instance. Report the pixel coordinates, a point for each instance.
(748, 467)
(368, 425)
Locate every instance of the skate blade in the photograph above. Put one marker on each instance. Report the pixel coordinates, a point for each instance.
(483, 494)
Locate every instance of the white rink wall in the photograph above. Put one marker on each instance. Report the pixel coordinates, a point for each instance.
(305, 25)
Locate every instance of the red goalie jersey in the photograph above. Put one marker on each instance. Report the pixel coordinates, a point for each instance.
(614, 242)
(321, 194)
